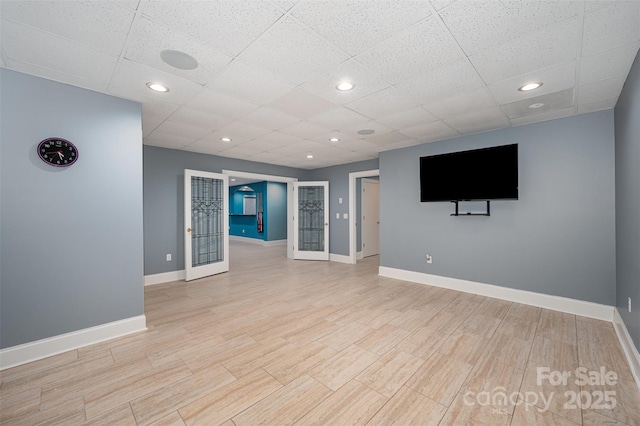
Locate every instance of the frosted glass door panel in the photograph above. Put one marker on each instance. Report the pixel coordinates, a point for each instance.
(312, 220)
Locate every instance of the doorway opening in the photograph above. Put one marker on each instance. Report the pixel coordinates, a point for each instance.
(353, 209)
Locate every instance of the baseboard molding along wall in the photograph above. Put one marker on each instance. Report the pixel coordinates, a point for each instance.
(33, 351)
(257, 241)
(359, 255)
(165, 277)
(556, 303)
(629, 349)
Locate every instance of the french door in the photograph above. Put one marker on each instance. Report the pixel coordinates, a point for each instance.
(206, 224)
(311, 220)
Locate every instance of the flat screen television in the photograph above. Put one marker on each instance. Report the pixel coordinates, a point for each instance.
(479, 174)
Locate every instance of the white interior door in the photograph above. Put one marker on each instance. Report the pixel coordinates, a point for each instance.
(311, 220)
(370, 217)
(206, 224)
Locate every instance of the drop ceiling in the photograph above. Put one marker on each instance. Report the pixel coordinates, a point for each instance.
(267, 70)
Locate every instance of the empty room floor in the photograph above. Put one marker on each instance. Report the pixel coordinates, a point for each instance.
(276, 341)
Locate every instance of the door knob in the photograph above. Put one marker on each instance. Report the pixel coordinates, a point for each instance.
(188, 229)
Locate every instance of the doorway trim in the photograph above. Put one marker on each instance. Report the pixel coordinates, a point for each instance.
(352, 209)
(272, 178)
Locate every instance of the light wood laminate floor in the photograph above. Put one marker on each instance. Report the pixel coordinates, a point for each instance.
(276, 341)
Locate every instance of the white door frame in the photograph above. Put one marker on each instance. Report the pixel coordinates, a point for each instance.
(352, 209)
(273, 178)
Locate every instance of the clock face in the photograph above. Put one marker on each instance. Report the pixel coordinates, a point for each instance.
(57, 152)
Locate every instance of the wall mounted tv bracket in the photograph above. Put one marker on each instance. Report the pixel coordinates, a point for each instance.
(457, 212)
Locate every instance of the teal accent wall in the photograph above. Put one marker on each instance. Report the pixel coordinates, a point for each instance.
(245, 226)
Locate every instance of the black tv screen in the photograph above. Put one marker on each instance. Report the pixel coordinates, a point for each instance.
(480, 174)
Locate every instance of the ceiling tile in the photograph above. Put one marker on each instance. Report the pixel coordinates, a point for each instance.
(486, 25)
(442, 83)
(203, 148)
(384, 102)
(608, 64)
(461, 104)
(615, 25)
(246, 82)
(157, 109)
(366, 82)
(293, 52)
(441, 4)
(301, 103)
(229, 26)
(549, 115)
(74, 80)
(149, 123)
(550, 101)
(387, 138)
(597, 106)
(99, 24)
(164, 140)
(149, 39)
(356, 25)
(402, 144)
(44, 51)
(430, 132)
(200, 118)
(211, 143)
(338, 118)
(277, 139)
(133, 77)
(510, 58)
(238, 130)
(407, 118)
(554, 79)
(600, 91)
(351, 132)
(479, 121)
(396, 59)
(269, 118)
(305, 129)
(240, 151)
(177, 128)
(221, 105)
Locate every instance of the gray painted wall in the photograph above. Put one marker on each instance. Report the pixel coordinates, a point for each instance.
(558, 238)
(71, 246)
(164, 195)
(338, 177)
(627, 119)
(276, 204)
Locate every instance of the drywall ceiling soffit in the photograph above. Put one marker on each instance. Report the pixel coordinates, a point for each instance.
(268, 70)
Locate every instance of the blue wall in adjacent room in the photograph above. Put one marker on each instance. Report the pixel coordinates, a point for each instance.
(240, 225)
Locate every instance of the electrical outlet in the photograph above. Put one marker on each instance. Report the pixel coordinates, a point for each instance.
(168, 257)
(243, 231)
(429, 258)
(629, 300)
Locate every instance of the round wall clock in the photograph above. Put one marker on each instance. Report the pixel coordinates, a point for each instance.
(57, 152)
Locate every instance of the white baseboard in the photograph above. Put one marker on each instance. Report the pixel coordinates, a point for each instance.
(629, 349)
(359, 255)
(165, 277)
(257, 241)
(556, 303)
(33, 351)
(339, 258)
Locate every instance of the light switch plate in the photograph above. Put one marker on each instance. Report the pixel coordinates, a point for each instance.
(337, 215)
(345, 215)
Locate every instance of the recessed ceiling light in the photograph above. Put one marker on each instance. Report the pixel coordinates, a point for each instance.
(530, 86)
(309, 155)
(225, 139)
(366, 132)
(178, 59)
(157, 87)
(345, 86)
(233, 179)
(536, 105)
(334, 140)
